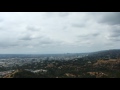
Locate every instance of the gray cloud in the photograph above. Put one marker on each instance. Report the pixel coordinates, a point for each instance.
(115, 35)
(1, 28)
(45, 42)
(37, 41)
(29, 38)
(95, 34)
(31, 28)
(87, 39)
(65, 27)
(8, 44)
(26, 38)
(58, 32)
(114, 39)
(48, 41)
(57, 14)
(1, 20)
(78, 25)
(30, 34)
(88, 36)
(115, 31)
(112, 18)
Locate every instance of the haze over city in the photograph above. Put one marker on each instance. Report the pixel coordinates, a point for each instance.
(58, 32)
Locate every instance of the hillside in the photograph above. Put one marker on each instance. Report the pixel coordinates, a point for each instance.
(74, 69)
(105, 54)
(21, 74)
(103, 64)
(112, 53)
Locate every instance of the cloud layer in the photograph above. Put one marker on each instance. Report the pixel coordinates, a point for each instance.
(58, 32)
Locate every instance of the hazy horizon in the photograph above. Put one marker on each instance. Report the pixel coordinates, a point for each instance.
(58, 32)
(60, 53)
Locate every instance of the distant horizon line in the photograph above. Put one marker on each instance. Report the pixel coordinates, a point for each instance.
(60, 53)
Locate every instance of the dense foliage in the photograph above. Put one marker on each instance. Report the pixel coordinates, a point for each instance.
(99, 65)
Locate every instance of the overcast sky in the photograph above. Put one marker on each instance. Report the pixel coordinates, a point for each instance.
(58, 32)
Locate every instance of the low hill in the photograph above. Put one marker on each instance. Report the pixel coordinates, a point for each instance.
(21, 74)
(106, 54)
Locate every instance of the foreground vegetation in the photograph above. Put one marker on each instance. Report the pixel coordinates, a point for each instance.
(70, 69)
(93, 66)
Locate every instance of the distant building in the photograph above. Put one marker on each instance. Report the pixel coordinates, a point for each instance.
(41, 70)
(89, 62)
